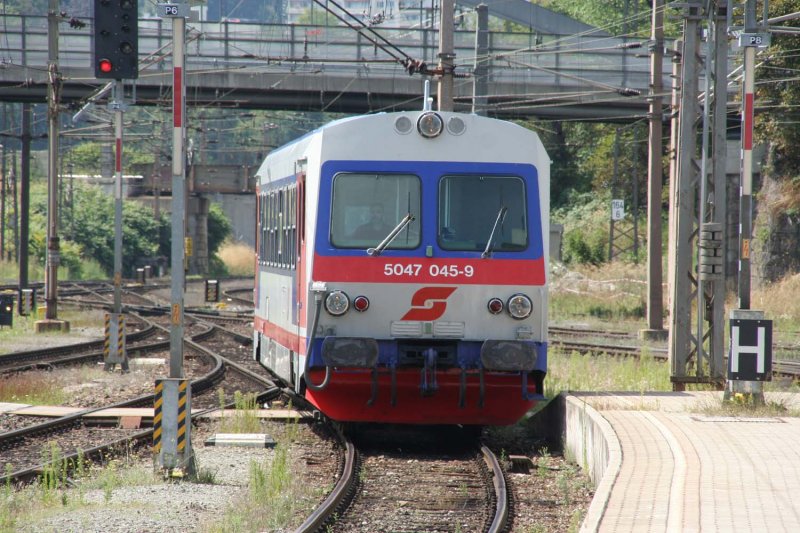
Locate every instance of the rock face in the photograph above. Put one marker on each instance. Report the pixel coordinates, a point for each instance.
(776, 233)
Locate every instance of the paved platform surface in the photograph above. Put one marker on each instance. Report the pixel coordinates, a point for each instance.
(683, 468)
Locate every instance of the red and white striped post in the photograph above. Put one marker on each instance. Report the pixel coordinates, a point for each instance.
(746, 186)
(178, 195)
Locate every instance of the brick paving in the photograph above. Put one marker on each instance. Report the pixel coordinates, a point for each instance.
(684, 471)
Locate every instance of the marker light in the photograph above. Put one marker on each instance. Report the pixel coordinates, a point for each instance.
(337, 303)
(495, 305)
(105, 65)
(361, 303)
(519, 306)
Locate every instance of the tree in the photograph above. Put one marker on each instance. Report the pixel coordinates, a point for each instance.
(92, 229)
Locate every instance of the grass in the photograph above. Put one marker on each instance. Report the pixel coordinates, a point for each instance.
(604, 296)
(63, 485)
(90, 269)
(245, 415)
(24, 326)
(571, 371)
(273, 492)
(239, 258)
(35, 388)
(614, 291)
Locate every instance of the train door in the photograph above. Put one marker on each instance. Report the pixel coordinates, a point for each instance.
(300, 274)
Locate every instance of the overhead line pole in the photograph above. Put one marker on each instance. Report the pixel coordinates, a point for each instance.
(51, 321)
(655, 292)
(446, 56)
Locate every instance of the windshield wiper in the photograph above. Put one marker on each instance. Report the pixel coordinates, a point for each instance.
(501, 216)
(392, 234)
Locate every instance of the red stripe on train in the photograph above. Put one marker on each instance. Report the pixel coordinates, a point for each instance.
(429, 270)
(282, 336)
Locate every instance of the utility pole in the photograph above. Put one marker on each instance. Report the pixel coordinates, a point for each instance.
(3, 201)
(480, 76)
(446, 55)
(24, 196)
(655, 294)
(51, 322)
(614, 178)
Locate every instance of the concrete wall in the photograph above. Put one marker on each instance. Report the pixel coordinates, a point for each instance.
(241, 211)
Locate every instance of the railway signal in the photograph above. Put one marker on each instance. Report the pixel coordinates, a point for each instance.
(6, 310)
(116, 39)
(27, 301)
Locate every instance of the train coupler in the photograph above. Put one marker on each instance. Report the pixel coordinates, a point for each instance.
(428, 385)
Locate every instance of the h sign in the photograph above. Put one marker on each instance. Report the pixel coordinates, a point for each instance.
(750, 358)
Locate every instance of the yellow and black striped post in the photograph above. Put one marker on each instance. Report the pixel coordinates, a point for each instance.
(157, 406)
(114, 351)
(172, 426)
(182, 418)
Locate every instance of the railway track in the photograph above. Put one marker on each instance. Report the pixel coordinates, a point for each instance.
(75, 438)
(391, 489)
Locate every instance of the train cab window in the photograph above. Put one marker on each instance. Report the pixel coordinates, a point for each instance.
(367, 207)
(469, 206)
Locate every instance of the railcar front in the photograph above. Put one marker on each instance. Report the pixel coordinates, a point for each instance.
(425, 273)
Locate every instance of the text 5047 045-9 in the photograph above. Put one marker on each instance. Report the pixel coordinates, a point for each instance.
(414, 269)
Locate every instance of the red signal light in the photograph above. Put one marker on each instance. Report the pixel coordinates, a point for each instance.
(106, 66)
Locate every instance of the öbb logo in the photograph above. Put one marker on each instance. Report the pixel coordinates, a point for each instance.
(429, 303)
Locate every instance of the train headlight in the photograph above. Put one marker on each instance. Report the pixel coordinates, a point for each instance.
(337, 303)
(519, 306)
(430, 124)
(495, 306)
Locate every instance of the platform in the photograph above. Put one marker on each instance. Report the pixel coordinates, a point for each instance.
(665, 462)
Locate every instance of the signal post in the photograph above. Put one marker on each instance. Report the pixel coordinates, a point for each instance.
(172, 443)
(116, 57)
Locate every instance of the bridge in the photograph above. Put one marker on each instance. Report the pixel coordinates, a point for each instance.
(333, 68)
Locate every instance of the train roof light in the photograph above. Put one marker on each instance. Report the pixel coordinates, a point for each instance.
(519, 306)
(430, 124)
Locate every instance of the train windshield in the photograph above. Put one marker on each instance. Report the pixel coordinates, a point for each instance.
(368, 206)
(470, 206)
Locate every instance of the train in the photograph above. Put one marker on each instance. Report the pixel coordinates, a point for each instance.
(402, 266)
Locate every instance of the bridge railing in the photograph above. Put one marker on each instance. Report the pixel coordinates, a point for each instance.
(563, 62)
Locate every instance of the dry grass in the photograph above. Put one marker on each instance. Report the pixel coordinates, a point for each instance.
(780, 302)
(614, 291)
(238, 258)
(37, 388)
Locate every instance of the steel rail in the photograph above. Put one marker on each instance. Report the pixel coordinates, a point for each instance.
(500, 490)
(340, 494)
(68, 350)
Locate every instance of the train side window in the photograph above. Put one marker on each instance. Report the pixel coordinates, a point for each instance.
(469, 206)
(366, 207)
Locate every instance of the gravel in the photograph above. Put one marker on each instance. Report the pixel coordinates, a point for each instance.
(152, 505)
